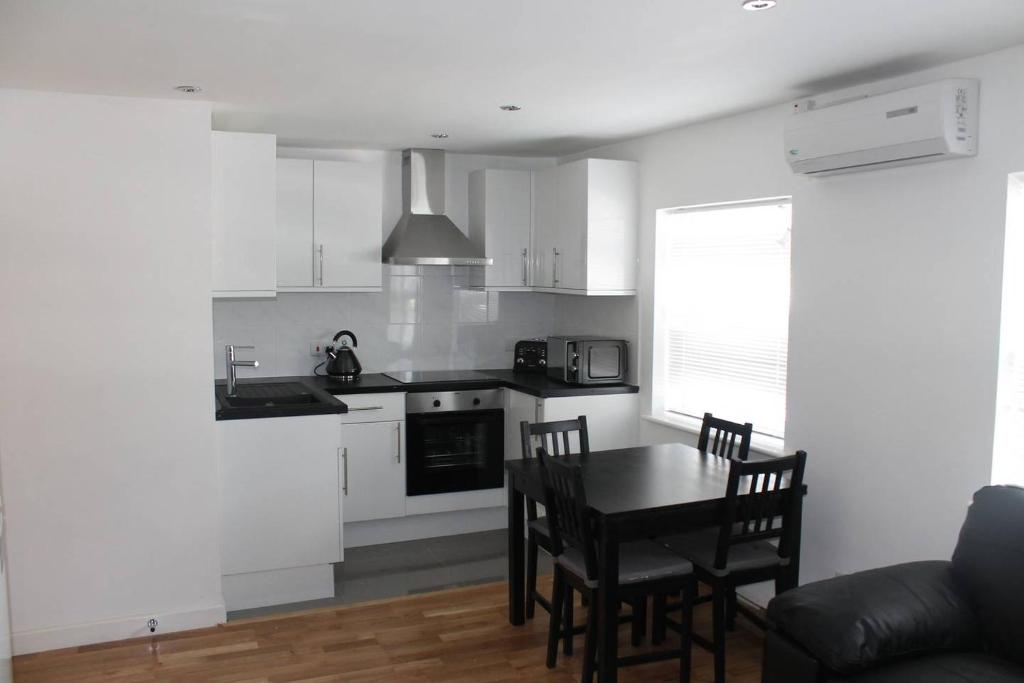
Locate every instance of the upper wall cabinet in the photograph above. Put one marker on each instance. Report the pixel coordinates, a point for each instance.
(585, 228)
(500, 224)
(242, 214)
(329, 219)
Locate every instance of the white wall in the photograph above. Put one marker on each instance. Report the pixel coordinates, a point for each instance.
(895, 316)
(106, 407)
(425, 318)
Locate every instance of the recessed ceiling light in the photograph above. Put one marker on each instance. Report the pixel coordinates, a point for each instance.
(510, 107)
(757, 5)
(439, 136)
(190, 89)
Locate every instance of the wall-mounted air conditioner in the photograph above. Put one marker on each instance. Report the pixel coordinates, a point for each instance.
(927, 123)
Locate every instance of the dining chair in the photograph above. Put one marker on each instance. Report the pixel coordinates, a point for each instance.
(761, 503)
(721, 435)
(554, 437)
(645, 569)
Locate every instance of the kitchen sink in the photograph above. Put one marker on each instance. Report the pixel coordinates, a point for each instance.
(271, 394)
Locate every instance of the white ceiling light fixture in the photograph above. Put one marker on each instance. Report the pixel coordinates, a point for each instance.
(439, 136)
(510, 107)
(189, 89)
(758, 5)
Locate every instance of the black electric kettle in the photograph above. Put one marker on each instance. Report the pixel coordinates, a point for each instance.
(341, 359)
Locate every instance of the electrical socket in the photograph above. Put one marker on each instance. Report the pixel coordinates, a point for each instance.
(317, 348)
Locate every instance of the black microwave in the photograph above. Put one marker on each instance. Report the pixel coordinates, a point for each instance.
(587, 360)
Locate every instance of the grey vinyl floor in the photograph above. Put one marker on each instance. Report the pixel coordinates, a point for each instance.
(385, 571)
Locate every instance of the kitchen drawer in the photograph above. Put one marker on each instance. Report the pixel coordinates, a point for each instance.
(373, 407)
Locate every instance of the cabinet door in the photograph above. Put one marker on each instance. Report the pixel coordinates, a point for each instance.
(243, 214)
(519, 407)
(571, 226)
(373, 470)
(546, 218)
(294, 223)
(347, 224)
(507, 226)
(280, 493)
(611, 418)
(612, 216)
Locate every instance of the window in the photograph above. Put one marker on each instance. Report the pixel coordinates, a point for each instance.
(1008, 453)
(722, 313)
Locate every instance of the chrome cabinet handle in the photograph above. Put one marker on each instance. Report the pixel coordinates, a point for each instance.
(524, 267)
(352, 410)
(344, 464)
(554, 266)
(321, 265)
(398, 442)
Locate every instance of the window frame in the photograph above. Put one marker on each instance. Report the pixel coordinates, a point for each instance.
(763, 443)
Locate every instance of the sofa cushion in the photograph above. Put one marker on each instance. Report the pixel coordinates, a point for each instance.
(859, 620)
(989, 562)
(943, 668)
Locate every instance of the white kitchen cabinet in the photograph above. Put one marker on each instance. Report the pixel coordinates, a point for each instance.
(280, 488)
(243, 210)
(500, 225)
(294, 223)
(585, 228)
(611, 418)
(373, 470)
(518, 407)
(347, 225)
(329, 226)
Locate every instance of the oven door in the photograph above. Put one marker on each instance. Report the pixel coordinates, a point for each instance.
(454, 451)
(601, 362)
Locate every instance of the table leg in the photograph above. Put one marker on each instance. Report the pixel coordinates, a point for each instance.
(608, 605)
(516, 556)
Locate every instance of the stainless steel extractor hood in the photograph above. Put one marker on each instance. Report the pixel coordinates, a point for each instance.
(424, 236)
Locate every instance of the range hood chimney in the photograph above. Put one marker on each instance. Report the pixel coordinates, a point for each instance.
(424, 236)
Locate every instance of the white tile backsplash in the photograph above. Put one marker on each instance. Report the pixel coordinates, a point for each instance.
(425, 319)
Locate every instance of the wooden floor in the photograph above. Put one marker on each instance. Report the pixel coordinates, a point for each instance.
(457, 636)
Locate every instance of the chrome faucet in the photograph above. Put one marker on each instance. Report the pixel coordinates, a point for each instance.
(229, 357)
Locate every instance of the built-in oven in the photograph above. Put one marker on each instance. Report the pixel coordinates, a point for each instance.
(455, 441)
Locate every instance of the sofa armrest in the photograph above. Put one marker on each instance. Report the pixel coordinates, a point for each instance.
(787, 662)
(855, 621)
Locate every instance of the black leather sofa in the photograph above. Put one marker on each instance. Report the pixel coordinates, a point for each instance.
(922, 622)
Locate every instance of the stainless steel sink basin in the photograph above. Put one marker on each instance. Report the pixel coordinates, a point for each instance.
(272, 394)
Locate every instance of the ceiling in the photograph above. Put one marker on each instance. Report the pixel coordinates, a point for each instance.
(388, 73)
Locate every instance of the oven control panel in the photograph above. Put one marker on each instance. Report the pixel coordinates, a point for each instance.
(454, 401)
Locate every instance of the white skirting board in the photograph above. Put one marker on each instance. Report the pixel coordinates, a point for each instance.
(278, 586)
(27, 642)
(375, 532)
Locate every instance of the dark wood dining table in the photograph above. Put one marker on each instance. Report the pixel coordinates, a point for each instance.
(633, 494)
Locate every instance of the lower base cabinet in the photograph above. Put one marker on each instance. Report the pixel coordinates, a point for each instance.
(280, 499)
(611, 418)
(373, 470)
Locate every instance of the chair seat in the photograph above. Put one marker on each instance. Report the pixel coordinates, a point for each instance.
(638, 561)
(700, 547)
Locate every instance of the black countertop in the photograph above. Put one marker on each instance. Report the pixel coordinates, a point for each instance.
(534, 384)
(538, 385)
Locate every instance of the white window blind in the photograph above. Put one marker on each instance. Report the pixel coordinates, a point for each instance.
(722, 298)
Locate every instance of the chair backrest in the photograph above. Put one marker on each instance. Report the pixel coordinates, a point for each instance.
(565, 500)
(549, 434)
(719, 437)
(761, 502)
